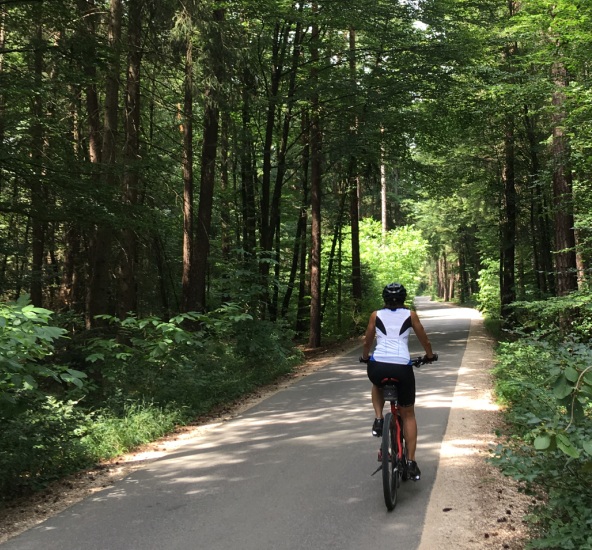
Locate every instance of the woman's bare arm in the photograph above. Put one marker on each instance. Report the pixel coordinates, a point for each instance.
(369, 336)
(421, 334)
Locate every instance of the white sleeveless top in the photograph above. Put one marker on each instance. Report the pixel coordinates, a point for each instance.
(392, 336)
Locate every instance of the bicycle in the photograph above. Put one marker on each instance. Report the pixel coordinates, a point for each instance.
(392, 453)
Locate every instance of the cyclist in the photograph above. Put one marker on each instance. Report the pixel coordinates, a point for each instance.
(391, 327)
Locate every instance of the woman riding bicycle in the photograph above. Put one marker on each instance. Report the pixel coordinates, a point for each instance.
(391, 327)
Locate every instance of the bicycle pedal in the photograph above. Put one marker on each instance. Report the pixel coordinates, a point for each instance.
(380, 456)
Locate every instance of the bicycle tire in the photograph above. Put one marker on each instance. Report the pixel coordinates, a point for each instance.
(390, 477)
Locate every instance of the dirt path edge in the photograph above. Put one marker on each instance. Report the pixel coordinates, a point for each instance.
(472, 505)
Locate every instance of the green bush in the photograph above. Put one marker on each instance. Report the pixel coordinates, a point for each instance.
(488, 297)
(164, 363)
(26, 346)
(545, 380)
(40, 444)
(144, 377)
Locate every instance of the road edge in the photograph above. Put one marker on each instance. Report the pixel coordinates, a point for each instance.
(472, 505)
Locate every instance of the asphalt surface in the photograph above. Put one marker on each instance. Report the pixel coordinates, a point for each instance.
(291, 473)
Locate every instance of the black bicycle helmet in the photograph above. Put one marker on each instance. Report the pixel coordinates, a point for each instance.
(394, 293)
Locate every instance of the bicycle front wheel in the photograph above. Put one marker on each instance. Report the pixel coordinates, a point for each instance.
(390, 477)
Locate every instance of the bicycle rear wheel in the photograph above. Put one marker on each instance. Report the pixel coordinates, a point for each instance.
(390, 475)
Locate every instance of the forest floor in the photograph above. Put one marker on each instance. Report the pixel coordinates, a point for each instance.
(473, 506)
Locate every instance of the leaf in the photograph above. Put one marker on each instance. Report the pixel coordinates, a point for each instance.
(588, 446)
(564, 443)
(561, 388)
(29, 382)
(76, 373)
(542, 442)
(571, 374)
(72, 379)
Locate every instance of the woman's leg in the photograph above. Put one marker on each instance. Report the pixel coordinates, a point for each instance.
(377, 401)
(409, 430)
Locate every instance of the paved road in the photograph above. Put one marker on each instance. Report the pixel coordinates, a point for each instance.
(291, 473)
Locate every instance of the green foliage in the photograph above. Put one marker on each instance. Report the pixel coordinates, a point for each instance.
(193, 360)
(147, 376)
(558, 318)
(39, 444)
(108, 435)
(488, 297)
(545, 379)
(400, 256)
(26, 342)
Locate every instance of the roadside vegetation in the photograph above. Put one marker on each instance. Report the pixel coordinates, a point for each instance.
(544, 379)
(70, 401)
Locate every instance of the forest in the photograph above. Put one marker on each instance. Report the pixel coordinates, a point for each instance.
(194, 192)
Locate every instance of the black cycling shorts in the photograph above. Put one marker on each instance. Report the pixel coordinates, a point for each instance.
(377, 371)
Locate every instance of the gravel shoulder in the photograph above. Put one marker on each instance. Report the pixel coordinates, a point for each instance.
(472, 504)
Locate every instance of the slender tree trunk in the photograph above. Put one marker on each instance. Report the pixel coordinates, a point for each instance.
(565, 255)
(128, 292)
(189, 288)
(315, 188)
(303, 313)
(299, 243)
(541, 241)
(334, 243)
(249, 210)
(354, 191)
(508, 237)
(275, 214)
(161, 270)
(206, 199)
(88, 15)
(98, 297)
(2, 96)
(383, 194)
(225, 219)
(208, 169)
(37, 146)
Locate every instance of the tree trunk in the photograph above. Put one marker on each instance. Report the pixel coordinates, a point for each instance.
(225, 218)
(128, 292)
(334, 243)
(2, 96)
(354, 192)
(540, 223)
(508, 226)
(275, 214)
(315, 188)
(383, 194)
(565, 255)
(189, 288)
(303, 313)
(98, 297)
(37, 199)
(249, 210)
(208, 169)
(299, 245)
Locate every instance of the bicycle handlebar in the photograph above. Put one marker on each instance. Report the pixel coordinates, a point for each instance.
(416, 362)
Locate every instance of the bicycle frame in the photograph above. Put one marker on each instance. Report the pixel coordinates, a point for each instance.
(394, 464)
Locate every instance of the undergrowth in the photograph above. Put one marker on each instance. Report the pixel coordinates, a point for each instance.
(69, 401)
(544, 378)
